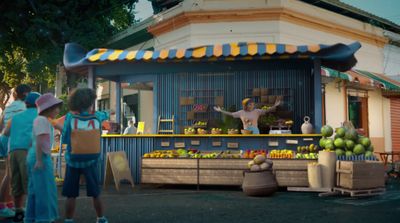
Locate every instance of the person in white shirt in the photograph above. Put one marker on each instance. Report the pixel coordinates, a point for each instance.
(131, 129)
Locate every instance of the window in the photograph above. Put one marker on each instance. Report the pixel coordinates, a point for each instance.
(357, 104)
(103, 104)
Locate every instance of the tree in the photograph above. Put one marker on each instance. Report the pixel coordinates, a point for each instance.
(33, 34)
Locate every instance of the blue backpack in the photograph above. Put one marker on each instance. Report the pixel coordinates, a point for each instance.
(84, 137)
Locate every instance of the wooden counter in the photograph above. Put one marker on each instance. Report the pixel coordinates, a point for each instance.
(136, 146)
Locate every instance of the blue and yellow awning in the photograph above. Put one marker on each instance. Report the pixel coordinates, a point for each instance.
(213, 51)
(337, 56)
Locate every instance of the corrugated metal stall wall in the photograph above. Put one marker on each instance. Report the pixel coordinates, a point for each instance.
(134, 148)
(294, 77)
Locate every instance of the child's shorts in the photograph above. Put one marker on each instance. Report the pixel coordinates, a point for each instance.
(19, 174)
(72, 178)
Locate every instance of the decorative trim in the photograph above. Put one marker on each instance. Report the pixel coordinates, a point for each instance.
(273, 14)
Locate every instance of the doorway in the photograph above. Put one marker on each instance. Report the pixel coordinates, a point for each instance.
(358, 110)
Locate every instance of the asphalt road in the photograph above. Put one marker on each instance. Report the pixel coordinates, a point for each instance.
(150, 204)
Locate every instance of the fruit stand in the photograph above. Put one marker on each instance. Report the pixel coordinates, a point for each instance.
(161, 153)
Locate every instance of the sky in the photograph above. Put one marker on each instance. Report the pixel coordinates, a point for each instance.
(388, 9)
(143, 9)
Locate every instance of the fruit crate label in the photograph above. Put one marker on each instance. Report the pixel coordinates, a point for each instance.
(165, 144)
(233, 145)
(308, 139)
(216, 143)
(179, 145)
(195, 142)
(292, 141)
(273, 143)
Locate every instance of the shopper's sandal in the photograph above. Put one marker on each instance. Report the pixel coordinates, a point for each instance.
(19, 217)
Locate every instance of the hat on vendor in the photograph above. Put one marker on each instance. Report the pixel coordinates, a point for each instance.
(47, 101)
(246, 102)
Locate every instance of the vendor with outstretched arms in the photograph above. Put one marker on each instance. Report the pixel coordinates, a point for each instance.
(249, 115)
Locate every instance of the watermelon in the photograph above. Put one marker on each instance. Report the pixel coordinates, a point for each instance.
(351, 134)
(359, 149)
(327, 131)
(322, 142)
(349, 145)
(366, 142)
(339, 143)
(340, 132)
(339, 152)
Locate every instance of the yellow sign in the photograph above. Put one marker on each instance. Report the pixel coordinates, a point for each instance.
(140, 129)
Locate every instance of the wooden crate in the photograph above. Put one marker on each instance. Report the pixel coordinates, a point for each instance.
(221, 177)
(234, 164)
(169, 163)
(291, 178)
(169, 176)
(291, 164)
(360, 174)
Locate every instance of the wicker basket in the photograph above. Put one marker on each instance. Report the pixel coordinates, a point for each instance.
(216, 132)
(201, 131)
(190, 132)
(233, 132)
(246, 132)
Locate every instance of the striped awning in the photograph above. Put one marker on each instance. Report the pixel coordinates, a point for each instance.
(365, 78)
(338, 56)
(213, 51)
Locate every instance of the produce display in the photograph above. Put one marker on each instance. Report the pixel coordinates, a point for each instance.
(216, 131)
(307, 152)
(200, 123)
(201, 131)
(193, 153)
(260, 163)
(281, 154)
(250, 154)
(190, 131)
(346, 142)
(233, 131)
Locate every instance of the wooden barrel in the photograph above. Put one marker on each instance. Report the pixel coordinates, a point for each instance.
(259, 183)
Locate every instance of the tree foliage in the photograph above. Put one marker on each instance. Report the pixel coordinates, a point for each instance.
(33, 34)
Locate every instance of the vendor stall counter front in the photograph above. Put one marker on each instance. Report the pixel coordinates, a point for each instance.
(136, 146)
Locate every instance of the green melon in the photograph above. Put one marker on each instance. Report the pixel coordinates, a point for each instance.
(327, 131)
(359, 149)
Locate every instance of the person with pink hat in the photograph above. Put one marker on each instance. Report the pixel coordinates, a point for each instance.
(42, 204)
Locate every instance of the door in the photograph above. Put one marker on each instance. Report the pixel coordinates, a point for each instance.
(358, 110)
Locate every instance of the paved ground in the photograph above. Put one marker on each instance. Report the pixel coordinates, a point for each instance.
(150, 204)
(178, 204)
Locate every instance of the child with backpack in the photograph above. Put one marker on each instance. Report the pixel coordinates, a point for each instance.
(81, 134)
(42, 201)
(19, 131)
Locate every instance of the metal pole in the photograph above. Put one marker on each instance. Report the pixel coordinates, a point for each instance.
(118, 103)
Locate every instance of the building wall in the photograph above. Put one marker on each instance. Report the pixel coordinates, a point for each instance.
(334, 104)
(146, 110)
(391, 65)
(387, 125)
(325, 27)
